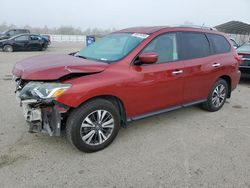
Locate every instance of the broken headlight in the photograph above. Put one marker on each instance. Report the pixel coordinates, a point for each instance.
(44, 90)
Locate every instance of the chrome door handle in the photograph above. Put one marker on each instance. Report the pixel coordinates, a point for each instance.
(177, 72)
(216, 65)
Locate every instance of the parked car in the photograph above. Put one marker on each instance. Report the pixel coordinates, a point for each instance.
(13, 32)
(125, 76)
(46, 37)
(24, 42)
(244, 51)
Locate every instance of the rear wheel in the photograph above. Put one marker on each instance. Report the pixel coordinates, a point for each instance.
(217, 96)
(44, 47)
(93, 126)
(8, 48)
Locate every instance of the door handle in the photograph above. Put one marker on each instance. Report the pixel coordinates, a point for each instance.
(177, 72)
(216, 65)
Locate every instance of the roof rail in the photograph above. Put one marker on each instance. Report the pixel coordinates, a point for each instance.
(199, 27)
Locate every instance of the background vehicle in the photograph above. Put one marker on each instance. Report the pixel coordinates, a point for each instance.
(47, 37)
(13, 32)
(244, 51)
(24, 42)
(127, 75)
(234, 43)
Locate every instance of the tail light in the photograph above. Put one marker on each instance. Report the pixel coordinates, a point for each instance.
(238, 58)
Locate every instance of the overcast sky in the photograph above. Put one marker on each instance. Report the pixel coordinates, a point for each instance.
(122, 13)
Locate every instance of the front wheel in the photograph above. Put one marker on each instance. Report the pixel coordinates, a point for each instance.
(93, 126)
(217, 96)
(8, 48)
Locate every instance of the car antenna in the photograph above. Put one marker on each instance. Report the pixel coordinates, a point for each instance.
(202, 26)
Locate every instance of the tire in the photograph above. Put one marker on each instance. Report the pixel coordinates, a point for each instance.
(83, 130)
(217, 96)
(43, 48)
(8, 48)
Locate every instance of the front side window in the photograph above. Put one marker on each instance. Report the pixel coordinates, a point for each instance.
(11, 33)
(22, 38)
(194, 45)
(165, 46)
(112, 47)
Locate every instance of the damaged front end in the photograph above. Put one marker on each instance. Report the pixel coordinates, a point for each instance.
(41, 111)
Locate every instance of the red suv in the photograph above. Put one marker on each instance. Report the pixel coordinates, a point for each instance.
(127, 75)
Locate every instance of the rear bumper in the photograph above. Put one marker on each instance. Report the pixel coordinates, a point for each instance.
(245, 69)
(235, 79)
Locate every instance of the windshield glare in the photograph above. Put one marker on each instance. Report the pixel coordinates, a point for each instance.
(112, 47)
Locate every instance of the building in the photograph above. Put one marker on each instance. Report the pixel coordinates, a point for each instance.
(239, 31)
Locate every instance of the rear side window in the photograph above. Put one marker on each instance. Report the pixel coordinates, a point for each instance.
(194, 45)
(219, 43)
(19, 32)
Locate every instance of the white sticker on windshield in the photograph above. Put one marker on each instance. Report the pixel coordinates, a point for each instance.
(140, 35)
(103, 59)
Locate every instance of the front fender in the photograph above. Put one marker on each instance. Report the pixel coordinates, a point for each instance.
(90, 86)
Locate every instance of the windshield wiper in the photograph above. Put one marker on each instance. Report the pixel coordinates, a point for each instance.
(81, 56)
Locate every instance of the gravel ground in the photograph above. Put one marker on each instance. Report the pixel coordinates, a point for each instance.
(185, 148)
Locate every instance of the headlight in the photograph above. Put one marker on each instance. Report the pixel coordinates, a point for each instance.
(44, 90)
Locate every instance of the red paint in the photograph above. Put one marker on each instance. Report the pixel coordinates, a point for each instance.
(141, 89)
(148, 58)
(53, 67)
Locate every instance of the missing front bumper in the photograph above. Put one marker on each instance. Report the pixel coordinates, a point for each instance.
(43, 118)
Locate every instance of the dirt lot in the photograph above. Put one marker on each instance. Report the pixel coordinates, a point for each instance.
(185, 148)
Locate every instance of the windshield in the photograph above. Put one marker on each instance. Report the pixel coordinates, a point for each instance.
(112, 47)
(244, 48)
(3, 33)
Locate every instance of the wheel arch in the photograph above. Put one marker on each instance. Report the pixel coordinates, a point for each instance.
(7, 44)
(229, 82)
(117, 102)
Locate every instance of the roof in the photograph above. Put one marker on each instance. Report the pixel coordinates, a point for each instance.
(145, 30)
(152, 29)
(234, 27)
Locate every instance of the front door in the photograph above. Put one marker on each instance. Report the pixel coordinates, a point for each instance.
(158, 86)
(21, 42)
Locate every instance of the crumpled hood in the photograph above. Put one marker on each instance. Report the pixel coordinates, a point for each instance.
(53, 67)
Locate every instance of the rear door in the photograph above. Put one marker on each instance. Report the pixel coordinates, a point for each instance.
(34, 42)
(195, 53)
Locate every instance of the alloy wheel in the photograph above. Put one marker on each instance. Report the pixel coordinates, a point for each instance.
(8, 48)
(97, 127)
(219, 95)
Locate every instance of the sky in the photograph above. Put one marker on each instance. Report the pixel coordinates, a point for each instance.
(120, 14)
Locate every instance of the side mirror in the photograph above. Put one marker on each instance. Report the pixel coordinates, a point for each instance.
(148, 58)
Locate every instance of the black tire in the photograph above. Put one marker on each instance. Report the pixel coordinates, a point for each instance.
(44, 47)
(8, 48)
(209, 105)
(79, 115)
